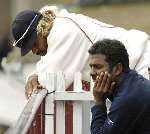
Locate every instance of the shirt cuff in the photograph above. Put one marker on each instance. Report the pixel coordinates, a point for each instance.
(98, 108)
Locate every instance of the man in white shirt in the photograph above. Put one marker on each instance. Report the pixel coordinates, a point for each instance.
(62, 39)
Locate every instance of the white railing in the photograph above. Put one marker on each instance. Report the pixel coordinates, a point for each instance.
(81, 105)
(24, 122)
(56, 98)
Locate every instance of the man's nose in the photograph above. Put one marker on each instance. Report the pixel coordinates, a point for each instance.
(93, 75)
(92, 71)
(34, 50)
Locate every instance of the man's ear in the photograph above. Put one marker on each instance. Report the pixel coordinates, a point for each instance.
(118, 69)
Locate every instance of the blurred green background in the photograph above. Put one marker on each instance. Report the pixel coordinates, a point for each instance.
(125, 13)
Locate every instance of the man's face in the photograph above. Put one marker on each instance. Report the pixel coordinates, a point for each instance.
(97, 65)
(40, 46)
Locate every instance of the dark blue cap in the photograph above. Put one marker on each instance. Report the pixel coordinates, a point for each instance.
(24, 30)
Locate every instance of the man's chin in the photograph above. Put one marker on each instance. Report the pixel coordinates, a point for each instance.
(41, 54)
(94, 81)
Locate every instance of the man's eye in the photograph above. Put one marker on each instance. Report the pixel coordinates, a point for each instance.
(91, 66)
(98, 66)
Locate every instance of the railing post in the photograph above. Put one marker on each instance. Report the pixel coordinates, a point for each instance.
(60, 105)
(38, 124)
(49, 103)
(77, 106)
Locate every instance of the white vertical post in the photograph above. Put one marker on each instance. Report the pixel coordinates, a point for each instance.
(91, 102)
(86, 106)
(60, 106)
(49, 114)
(87, 112)
(49, 106)
(77, 106)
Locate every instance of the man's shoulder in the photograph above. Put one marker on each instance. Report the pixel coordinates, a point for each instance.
(139, 90)
(135, 88)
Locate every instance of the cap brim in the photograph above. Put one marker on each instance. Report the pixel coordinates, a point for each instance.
(29, 44)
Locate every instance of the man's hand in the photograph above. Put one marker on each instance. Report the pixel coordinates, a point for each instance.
(32, 85)
(102, 88)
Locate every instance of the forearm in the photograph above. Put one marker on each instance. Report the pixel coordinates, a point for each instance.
(99, 116)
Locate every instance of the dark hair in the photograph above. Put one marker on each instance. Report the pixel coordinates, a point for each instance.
(114, 51)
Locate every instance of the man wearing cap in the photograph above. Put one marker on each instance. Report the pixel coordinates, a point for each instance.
(62, 39)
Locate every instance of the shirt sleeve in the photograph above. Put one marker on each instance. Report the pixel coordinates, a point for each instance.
(120, 120)
(99, 115)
